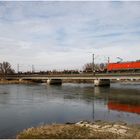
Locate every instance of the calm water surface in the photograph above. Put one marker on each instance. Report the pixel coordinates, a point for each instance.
(23, 106)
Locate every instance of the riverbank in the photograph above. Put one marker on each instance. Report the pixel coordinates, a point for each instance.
(15, 82)
(83, 130)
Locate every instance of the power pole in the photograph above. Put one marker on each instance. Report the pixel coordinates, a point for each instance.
(17, 68)
(33, 68)
(108, 60)
(93, 65)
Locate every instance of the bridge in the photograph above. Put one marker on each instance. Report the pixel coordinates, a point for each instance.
(99, 79)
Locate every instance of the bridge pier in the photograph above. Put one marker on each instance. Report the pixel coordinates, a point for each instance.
(54, 81)
(102, 82)
(20, 79)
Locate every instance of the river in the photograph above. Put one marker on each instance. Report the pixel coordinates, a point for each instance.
(24, 106)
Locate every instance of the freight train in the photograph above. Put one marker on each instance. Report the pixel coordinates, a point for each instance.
(124, 67)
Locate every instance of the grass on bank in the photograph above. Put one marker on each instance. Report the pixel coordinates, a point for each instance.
(66, 131)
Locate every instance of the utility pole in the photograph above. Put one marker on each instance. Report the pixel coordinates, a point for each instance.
(93, 65)
(108, 60)
(33, 68)
(17, 68)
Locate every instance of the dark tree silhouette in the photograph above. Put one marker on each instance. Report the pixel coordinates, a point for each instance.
(5, 68)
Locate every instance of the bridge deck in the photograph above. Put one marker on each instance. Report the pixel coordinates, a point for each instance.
(76, 76)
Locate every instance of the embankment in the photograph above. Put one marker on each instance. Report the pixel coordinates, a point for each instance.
(15, 82)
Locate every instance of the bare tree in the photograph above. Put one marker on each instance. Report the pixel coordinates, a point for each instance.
(88, 67)
(5, 68)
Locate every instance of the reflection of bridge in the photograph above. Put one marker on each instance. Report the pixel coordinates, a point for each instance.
(100, 78)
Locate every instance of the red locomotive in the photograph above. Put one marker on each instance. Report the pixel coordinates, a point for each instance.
(124, 67)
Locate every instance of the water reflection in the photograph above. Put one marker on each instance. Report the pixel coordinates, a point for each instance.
(29, 105)
(126, 100)
(124, 107)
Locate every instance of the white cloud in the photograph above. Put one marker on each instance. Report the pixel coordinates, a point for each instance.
(65, 34)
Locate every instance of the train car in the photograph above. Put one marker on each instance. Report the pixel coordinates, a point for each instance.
(124, 67)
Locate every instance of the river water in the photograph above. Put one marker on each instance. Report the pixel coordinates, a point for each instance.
(23, 106)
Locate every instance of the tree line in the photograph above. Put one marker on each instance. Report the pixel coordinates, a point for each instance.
(5, 69)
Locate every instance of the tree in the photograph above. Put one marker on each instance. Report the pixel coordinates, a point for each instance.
(101, 67)
(5, 68)
(88, 67)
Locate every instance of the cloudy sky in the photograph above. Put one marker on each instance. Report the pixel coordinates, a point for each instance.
(58, 35)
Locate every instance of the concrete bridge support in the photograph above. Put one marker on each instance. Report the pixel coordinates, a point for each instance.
(102, 82)
(20, 79)
(54, 81)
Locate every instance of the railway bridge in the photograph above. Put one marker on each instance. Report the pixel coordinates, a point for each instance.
(99, 79)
